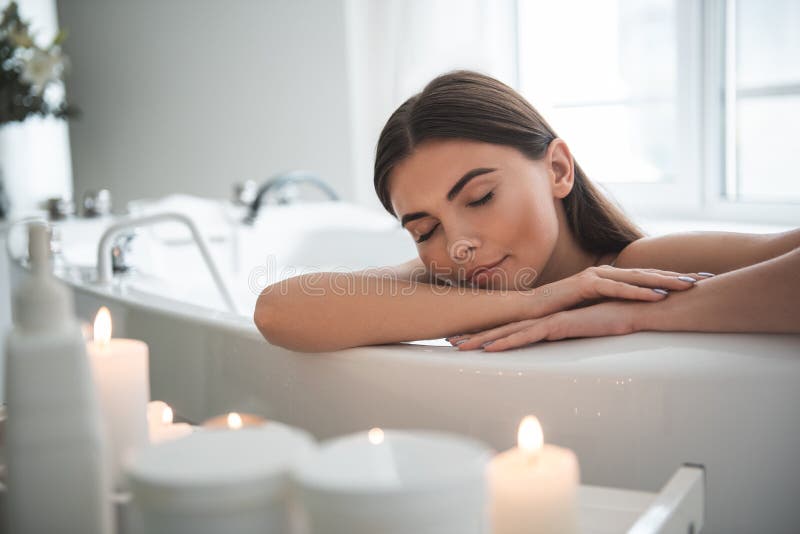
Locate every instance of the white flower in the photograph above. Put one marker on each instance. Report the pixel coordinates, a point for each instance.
(40, 68)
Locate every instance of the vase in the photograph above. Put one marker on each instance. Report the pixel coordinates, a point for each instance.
(35, 163)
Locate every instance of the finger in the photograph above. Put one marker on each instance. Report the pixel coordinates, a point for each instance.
(458, 340)
(531, 334)
(648, 278)
(697, 276)
(475, 341)
(623, 290)
(599, 320)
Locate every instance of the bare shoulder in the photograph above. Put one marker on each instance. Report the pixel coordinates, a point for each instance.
(714, 252)
(413, 270)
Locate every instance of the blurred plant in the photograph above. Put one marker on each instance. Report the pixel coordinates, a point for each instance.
(30, 76)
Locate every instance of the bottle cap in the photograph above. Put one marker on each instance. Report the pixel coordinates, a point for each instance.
(42, 302)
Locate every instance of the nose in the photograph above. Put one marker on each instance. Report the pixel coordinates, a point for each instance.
(462, 250)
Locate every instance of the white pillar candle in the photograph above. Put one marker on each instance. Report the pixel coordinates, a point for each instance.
(534, 486)
(160, 426)
(120, 372)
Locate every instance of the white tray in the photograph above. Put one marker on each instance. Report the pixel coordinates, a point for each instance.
(678, 508)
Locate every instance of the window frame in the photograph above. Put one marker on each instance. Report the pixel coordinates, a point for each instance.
(706, 145)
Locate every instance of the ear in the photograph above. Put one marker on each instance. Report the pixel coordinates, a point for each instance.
(561, 168)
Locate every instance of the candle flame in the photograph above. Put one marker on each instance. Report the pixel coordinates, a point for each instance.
(166, 415)
(375, 436)
(234, 421)
(530, 437)
(102, 326)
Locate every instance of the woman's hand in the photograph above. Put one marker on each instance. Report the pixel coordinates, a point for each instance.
(572, 307)
(605, 319)
(604, 282)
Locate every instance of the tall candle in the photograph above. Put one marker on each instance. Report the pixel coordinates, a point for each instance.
(120, 371)
(534, 486)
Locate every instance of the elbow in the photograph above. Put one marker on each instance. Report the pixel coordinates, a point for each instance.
(266, 319)
(272, 324)
(278, 328)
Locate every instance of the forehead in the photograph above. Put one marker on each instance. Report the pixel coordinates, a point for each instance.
(435, 166)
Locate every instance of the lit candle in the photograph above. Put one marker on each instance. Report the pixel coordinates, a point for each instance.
(234, 421)
(120, 371)
(534, 486)
(213, 482)
(396, 482)
(160, 426)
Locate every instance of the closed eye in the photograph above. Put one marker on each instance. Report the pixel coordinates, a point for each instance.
(428, 235)
(482, 201)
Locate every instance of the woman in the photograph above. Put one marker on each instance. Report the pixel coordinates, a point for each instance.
(516, 245)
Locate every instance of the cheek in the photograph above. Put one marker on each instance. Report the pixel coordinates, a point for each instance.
(534, 230)
(433, 259)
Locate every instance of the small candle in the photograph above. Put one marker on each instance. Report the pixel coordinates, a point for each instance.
(160, 426)
(534, 486)
(234, 421)
(120, 372)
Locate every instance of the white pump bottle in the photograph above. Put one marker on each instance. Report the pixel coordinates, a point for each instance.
(58, 473)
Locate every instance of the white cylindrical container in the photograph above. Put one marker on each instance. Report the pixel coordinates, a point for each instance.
(58, 477)
(232, 481)
(396, 482)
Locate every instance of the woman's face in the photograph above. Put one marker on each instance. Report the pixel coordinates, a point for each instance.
(470, 204)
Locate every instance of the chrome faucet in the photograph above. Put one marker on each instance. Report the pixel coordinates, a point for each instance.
(279, 183)
(108, 241)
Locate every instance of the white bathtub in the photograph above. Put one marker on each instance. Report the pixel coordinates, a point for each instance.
(633, 408)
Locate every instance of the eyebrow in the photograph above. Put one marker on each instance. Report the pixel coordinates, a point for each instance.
(453, 193)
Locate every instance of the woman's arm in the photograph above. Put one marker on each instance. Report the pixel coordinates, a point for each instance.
(714, 252)
(764, 297)
(330, 311)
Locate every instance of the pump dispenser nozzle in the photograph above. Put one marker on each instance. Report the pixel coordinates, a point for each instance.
(42, 302)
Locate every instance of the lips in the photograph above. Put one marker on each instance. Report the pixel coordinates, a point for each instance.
(483, 268)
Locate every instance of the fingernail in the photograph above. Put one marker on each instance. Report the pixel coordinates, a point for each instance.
(661, 291)
(687, 279)
(460, 341)
(487, 344)
(706, 275)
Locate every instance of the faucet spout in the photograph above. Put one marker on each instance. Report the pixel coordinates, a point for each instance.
(279, 182)
(104, 261)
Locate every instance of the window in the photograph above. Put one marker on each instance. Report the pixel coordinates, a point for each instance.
(676, 107)
(764, 106)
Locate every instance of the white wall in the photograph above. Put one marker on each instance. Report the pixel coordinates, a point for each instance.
(194, 95)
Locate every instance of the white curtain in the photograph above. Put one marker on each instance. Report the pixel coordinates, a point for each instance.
(396, 46)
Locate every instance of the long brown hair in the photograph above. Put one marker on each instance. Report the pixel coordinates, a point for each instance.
(469, 105)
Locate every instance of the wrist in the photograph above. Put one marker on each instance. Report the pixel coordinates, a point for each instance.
(645, 315)
(529, 304)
